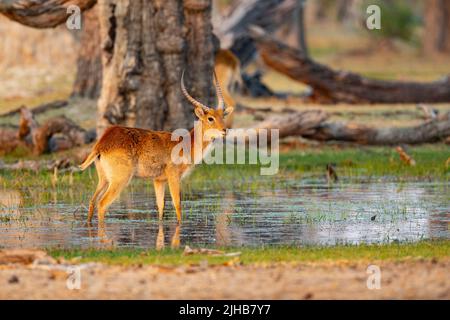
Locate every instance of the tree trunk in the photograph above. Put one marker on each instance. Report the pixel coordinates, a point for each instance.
(88, 81)
(437, 26)
(145, 47)
(330, 86)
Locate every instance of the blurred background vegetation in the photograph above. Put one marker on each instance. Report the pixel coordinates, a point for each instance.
(39, 65)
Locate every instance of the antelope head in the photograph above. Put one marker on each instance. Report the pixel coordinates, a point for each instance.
(212, 118)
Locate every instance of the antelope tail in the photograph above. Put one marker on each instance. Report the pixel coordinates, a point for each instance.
(91, 158)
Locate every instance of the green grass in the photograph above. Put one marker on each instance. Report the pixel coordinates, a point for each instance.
(353, 164)
(372, 161)
(265, 255)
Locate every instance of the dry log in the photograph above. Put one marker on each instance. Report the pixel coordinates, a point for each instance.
(27, 124)
(314, 125)
(8, 140)
(295, 124)
(331, 86)
(39, 109)
(55, 134)
(41, 13)
(72, 135)
(431, 131)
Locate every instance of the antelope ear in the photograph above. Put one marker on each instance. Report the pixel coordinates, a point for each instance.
(228, 110)
(199, 112)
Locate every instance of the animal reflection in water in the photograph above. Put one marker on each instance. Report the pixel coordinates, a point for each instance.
(160, 242)
(11, 201)
(164, 234)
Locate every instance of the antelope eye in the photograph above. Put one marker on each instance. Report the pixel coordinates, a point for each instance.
(210, 119)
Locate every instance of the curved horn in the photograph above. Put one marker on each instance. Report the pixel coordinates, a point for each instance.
(220, 99)
(188, 96)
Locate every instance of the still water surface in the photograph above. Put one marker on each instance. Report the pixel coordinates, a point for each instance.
(299, 213)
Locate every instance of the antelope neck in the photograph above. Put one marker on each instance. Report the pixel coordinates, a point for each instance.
(197, 140)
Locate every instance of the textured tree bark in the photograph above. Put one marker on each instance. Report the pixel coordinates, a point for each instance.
(436, 37)
(145, 47)
(88, 81)
(330, 86)
(313, 124)
(41, 13)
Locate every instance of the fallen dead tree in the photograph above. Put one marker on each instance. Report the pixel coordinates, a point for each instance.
(8, 140)
(56, 134)
(331, 86)
(314, 125)
(40, 109)
(295, 124)
(311, 124)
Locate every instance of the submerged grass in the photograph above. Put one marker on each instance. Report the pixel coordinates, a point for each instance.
(430, 249)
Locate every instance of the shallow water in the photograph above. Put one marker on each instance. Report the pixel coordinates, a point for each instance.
(297, 214)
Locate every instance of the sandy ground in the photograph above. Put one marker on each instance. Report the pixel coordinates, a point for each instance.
(415, 279)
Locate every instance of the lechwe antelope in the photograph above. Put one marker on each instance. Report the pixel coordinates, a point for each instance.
(123, 152)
